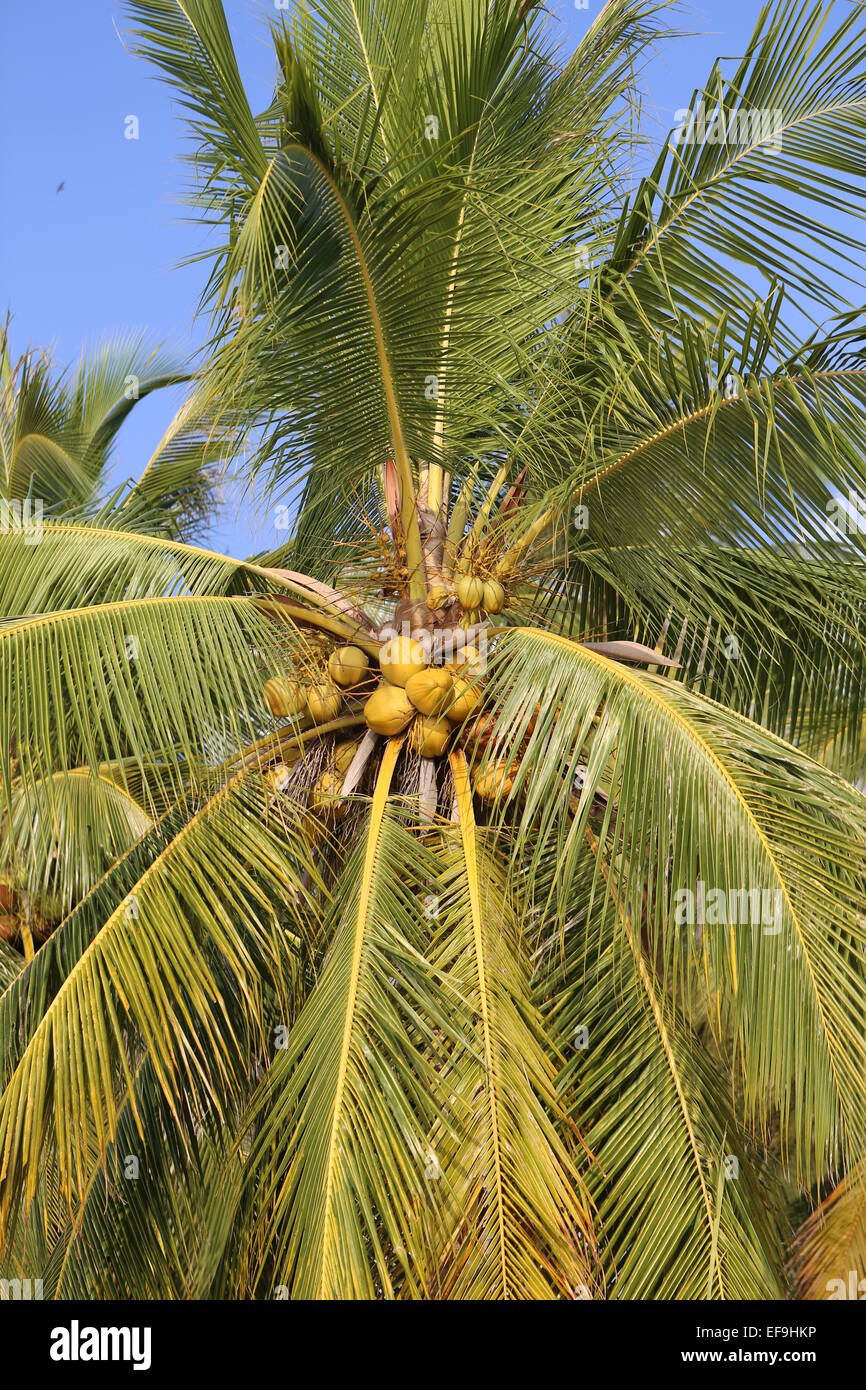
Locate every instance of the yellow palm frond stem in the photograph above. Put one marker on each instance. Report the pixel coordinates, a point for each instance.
(319, 594)
(27, 939)
(520, 1217)
(483, 515)
(513, 555)
(277, 607)
(405, 471)
(456, 527)
(282, 743)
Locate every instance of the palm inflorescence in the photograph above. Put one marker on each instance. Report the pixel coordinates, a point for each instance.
(467, 898)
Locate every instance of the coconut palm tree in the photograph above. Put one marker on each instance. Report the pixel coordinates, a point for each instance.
(58, 440)
(59, 432)
(499, 928)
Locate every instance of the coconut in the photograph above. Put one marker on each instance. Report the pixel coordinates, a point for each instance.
(347, 666)
(388, 709)
(482, 729)
(466, 661)
(496, 780)
(494, 596)
(471, 618)
(344, 753)
(430, 690)
(429, 737)
(467, 695)
(470, 590)
(323, 702)
(278, 777)
(325, 796)
(400, 659)
(285, 696)
(437, 596)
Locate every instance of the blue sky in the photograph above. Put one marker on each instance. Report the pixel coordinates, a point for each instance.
(102, 255)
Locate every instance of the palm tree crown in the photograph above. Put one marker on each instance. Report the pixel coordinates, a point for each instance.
(494, 923)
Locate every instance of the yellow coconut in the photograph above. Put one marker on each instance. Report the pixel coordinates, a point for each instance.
(285, 696)
(347, 666)
(400, 659)
(429, 737)
(437, 596)
(495, 780)
(466, 661)
(430, 690)
(278, 777)
(467, 697)
(323, 702)
(470, 591)
(325, 796)
(494, 596)
(343, 755)
(470, 617)
(388, 709)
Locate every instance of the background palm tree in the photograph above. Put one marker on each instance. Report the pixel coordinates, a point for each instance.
(58, 432)
(404, 1005)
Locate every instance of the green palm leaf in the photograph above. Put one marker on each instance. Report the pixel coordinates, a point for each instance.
(697, 794)
(520, 1219)
(340, 1150)
(151, 962)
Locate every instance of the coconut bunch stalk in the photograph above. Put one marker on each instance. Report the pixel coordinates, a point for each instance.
(416, 688)
(403, 687)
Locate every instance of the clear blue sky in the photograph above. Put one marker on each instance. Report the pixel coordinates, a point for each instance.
(102, 255)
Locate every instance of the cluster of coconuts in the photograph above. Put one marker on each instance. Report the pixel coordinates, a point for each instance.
(432, 699)
(320, 701)
(287, 697)
(476, 595)
(428, 701)
(325, 795)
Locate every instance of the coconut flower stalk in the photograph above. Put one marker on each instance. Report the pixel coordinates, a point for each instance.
(499, 887)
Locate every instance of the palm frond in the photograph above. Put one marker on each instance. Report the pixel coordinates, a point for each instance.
(683, 1193)
(782, 142)
(830, 1250)
(55, 848)
(520, 1219)
(200, 918)
(166, 682)
(340, 1151)
(698, 800)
